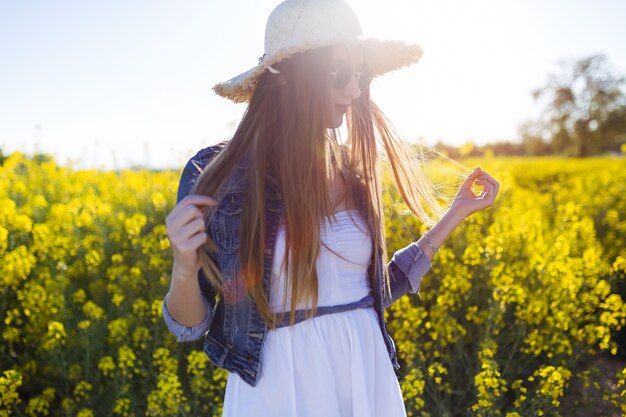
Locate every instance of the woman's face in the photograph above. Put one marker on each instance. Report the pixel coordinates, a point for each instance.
(342, 98)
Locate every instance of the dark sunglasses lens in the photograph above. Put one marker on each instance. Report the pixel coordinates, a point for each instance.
(342, 76)
(365, 79)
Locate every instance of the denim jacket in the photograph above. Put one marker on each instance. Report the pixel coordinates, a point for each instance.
(234, 329)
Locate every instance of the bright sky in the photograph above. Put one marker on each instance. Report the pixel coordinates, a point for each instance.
(109, 84)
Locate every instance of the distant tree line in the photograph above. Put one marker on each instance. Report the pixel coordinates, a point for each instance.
(584, 114)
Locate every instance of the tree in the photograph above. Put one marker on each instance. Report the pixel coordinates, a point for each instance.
(586, 110)
(533, 140)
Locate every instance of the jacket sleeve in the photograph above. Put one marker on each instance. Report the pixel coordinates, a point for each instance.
(185, 333)
(406, 269)
(192, 169)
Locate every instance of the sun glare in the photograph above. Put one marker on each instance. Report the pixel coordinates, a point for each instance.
(448, 83)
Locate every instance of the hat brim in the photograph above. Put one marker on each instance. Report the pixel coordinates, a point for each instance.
(381, 55)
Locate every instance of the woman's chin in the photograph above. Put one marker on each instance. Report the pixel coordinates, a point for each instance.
(337, 122)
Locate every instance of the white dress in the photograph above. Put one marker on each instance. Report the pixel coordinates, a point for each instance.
(334, 365)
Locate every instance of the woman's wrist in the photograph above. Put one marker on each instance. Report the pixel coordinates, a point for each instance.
(431, 245)
(181, 274)
(433, 239)
(456, 215)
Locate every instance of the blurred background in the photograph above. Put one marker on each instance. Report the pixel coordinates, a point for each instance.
(127, 84)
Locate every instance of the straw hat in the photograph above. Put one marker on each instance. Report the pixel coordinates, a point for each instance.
(299, 25)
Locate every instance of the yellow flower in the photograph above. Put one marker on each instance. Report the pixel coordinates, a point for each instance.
(163, 361)
(10, 381)
(155, 310)
(11, 334)
(140, 308)
(40, 405)
(92, 310)
(56, 335)
(13, 316)
(117, 259)
(413, 389)
(488, 382)
(126, 360)
(106, 365)
(79, 296)
(140, 336)
(75, 372)
(4, 244)
(553, 382)
(158, 201)
(85, 412)
(197, 362)
(168, 398)
(117, 299)
(93, 259)
(118, 330)
(16, 266)
(134, 224)
(82, 389)
(122, 407)
(67, 404)
(84, 324)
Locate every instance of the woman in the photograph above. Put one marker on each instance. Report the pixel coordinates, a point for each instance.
(284, 215)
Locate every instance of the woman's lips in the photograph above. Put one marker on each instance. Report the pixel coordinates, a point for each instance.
(342, 107)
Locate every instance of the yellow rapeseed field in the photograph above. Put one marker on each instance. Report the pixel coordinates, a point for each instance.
(519, 297)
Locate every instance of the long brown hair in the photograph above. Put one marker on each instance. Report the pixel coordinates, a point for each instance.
(283, 132)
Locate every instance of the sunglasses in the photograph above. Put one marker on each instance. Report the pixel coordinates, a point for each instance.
(343, 75)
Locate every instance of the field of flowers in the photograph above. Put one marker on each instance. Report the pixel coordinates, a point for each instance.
(518, 300)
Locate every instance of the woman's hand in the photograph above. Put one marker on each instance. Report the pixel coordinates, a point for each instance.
(466, 202)
(185, 229)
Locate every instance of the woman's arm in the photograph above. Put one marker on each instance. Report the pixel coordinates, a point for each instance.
(408, 265)
(440, 232)
(192, 310)
(465, 204)
(188, 308)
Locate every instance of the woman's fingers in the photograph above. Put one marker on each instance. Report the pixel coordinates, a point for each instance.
(486, 177)
(489, 185)
(195, 226)
(483, 178)
(197, 240)
(467, 201)
(185, 215)
(187, 209)
(186, 228)
(490, 190)
(492, 187)
(191, 242)
(469, 180)
(195, 200)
